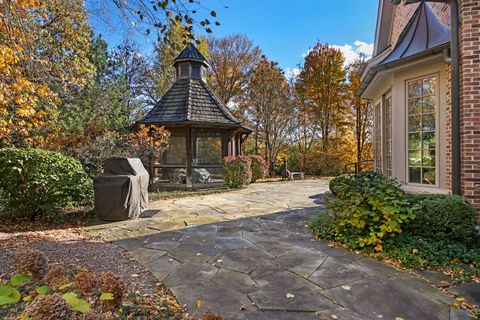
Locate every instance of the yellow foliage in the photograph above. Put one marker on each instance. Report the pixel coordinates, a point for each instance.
(31, 33)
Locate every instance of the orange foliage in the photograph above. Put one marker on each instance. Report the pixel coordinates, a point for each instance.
(38, 48)
(18, 96)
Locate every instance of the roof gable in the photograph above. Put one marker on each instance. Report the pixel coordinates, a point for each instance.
(423, 36)
(384, 26)
(423, 32)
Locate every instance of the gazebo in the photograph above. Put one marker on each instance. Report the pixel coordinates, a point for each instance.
(203, 130)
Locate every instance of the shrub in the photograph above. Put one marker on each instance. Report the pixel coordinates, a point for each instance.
(442, 217)
(368, 208)
(238, 172)
(259, 167)
(37, 181)
(323, 226)
(340, 183)
(423, 253)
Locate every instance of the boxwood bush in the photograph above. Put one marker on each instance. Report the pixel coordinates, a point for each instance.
(442, 217)
(420, 253)
(35, 182)
(238, 171)
(259, 167)
(367, 208)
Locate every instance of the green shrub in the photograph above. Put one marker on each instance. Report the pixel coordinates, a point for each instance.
(423, 253)
(259, 167)
(442, 217)
(238, 171)
(340, 183)
(35, 182)
(323, 226)
(368, 208)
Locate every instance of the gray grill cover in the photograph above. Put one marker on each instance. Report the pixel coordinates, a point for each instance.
(121, 191)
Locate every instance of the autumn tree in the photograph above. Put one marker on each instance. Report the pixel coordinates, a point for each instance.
(44, 47)
(269, 106)
(321, 84)
(232, 60)
(361, 114)
(306, 129)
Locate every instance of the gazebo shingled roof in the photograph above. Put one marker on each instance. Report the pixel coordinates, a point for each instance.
(190, 53)
(191, 101)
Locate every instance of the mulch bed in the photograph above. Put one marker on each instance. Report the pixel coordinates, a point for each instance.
(71, 246)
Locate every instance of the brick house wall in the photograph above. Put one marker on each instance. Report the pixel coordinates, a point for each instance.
(470, 89)
(470, 99)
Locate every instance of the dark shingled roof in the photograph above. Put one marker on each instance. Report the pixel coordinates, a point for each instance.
(190, 53)
(424, 35)
(192, 101)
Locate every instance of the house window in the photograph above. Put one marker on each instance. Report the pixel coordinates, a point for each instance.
(387, 125)
(378, 137)
(422, 103)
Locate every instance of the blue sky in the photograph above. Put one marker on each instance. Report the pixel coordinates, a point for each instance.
(285, 30)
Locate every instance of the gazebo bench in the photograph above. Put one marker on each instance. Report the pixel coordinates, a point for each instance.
(299, 174)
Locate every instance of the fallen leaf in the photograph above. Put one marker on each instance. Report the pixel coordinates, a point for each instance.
(198, 303)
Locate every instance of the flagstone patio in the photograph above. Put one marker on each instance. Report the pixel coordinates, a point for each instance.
(247, 262)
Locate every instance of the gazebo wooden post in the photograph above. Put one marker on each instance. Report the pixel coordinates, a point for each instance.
(189, 180)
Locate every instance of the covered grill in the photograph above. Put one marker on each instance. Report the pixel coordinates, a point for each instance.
(121, 191)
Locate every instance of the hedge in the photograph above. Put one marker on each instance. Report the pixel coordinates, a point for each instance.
(442, 217)
(35, 182)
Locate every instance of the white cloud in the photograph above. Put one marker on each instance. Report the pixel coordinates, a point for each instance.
(365, 48)
(292, 73)
(352, 52)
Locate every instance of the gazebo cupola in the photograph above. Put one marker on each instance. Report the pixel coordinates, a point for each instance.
(203, 129)
(190, 63)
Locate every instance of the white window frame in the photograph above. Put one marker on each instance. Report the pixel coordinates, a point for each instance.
(437, 132)
(378, 135)
(388, 172)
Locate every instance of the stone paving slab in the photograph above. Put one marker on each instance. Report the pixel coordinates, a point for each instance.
(259, 199)
(270, 267)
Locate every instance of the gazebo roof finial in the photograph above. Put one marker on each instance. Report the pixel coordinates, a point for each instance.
(190, 53)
